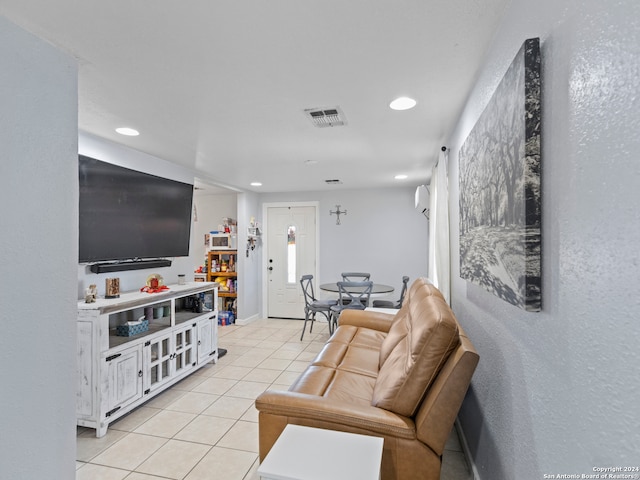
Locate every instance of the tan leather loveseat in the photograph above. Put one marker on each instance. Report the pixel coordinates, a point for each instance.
(399, 377)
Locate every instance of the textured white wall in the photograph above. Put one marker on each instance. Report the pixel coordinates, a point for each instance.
(249, 281)
(557, 392)
(38, 257)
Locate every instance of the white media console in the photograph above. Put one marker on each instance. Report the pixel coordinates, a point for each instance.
(133, 347)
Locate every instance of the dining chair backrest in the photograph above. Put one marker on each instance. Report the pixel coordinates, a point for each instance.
(355, 276)
(312, 305)
(354, 295)
(405, 281)
(390, 303)
(306, 282)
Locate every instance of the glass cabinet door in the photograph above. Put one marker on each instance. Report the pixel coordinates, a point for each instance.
(185, 351)
(159, 356)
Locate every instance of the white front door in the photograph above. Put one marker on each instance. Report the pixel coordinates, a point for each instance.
(291, 253)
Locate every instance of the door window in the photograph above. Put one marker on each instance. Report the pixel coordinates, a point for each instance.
(291, 254)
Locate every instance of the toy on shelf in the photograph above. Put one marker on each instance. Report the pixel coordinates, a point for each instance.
(154, 284)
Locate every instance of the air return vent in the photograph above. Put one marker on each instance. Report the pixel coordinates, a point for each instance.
(326, 117)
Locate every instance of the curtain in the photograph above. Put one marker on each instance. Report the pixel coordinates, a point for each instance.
(439, 254)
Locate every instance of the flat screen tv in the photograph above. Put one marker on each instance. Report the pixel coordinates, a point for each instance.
(130, 215)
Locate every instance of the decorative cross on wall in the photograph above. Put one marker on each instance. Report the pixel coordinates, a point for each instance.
(338, 212)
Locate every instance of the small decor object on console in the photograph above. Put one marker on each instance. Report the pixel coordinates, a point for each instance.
(91, 294)
(112, 288)
(154, 284)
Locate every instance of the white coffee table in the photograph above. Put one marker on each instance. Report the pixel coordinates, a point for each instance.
(305, 453)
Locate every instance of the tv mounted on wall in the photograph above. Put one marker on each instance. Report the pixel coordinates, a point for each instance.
(130, 216)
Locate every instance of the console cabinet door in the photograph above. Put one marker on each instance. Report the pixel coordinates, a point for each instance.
(122, 379)
(158, 358)
(207, 341)
(184, 356)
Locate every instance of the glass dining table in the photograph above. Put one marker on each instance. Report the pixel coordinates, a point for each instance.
(377, 289)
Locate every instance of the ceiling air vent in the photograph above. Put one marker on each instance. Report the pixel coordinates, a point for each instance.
(326, 117)
(335, 181)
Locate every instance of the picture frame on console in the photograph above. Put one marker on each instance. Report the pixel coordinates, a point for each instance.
(500, 190)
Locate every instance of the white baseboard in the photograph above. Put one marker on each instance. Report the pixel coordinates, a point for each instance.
(466, 451)
(247, 321)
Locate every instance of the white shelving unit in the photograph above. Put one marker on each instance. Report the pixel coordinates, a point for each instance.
(118, 373)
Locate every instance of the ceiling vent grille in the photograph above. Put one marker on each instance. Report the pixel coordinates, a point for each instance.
(326, 117)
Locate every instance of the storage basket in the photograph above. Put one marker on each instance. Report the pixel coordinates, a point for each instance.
(130, 330)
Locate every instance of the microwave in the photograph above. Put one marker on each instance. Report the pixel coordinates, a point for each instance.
(223, 241)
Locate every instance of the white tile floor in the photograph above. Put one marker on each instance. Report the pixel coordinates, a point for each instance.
(206, 426)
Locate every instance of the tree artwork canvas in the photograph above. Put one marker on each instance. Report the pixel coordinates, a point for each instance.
(500, 217)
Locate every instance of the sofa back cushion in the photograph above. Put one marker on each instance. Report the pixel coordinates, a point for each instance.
(421, 338)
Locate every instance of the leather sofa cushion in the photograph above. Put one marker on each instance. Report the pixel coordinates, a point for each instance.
(338, 385)
(346, 368)
(421, 338)
(359, 336)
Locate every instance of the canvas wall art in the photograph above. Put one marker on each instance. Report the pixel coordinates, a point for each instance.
(500, 217)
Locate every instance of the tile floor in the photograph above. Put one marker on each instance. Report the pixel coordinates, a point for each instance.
(205, 426)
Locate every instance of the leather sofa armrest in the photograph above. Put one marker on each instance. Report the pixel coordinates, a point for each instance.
(332, 412)
(367, 319)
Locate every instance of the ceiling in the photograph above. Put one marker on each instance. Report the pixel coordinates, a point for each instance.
(220, 86)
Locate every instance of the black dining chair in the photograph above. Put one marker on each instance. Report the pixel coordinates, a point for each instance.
(352, 296)
(312, 305)
(389, 303)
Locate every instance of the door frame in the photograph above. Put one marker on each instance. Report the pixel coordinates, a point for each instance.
(265, 241)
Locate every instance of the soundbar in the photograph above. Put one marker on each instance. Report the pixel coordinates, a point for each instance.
(129, 265)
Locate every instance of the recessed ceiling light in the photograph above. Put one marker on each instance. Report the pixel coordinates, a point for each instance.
(256, 184)
(401, 177)
(403, 103)
(130, 132)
